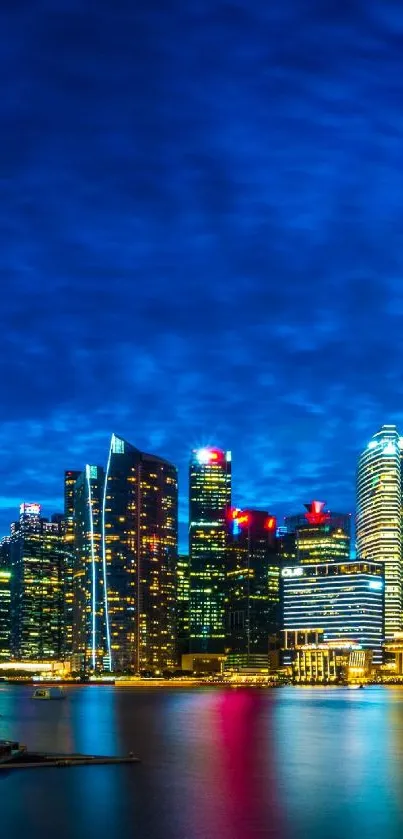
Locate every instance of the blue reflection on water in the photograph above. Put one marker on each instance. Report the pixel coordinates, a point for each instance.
(335, 763)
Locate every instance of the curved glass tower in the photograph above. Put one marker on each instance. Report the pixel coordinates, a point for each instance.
(379, 516)
(139, 552)
(88, 634)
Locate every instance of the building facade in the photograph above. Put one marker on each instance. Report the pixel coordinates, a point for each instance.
(36, 565)
(5, 614)
(320, 535)
(140, 543)
(70, 478)
(343, 600)
(252, 587)
(89, 591)
(182, 605)
(209, 505)
(379, 516)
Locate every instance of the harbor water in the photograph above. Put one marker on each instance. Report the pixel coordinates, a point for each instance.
(215, 763)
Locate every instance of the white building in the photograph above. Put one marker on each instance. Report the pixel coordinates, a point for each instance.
(379, 516)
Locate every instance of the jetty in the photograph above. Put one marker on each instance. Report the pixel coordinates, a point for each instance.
(15, 756)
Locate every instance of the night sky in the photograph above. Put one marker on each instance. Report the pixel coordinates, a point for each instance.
(201, 239)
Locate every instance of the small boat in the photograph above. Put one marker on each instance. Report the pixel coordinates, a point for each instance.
(49, 693)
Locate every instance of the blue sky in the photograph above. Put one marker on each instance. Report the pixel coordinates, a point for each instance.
(201, 239)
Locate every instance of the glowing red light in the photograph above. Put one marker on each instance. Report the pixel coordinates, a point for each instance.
(270, 523)
(240, 517)
(315, 514)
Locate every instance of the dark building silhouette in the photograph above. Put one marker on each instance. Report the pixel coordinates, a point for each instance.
(252, 594)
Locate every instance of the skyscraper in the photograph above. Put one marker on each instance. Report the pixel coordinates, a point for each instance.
(70, 478)
(182, 605)
(36, 563)
(252, 591)
(5, 614)
(379, 516)
(209, 504)
(140, 543)
(320, 535)
(89, 590)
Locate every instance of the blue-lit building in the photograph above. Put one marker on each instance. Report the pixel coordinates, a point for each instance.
(89, 589)
(343, 599)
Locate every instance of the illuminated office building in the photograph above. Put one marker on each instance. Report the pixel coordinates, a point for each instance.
(70, 478)
(320, 536)
(89, 592)
(5, 552)
(344, 600)
(140, 543)
(252, 590)
(36, 565)
(5, 614)
(182, 605)
(209, 504)
(379, 516)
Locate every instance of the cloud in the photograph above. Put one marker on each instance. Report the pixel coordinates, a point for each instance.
(201, 240)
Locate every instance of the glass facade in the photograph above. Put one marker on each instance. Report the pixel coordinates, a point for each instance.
(89, 629)
(209, 505)
(379, 516)
(36, 565)
(140, 542)
(252, 590)
(345, 600)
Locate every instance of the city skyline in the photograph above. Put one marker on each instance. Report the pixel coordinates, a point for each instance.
(283, 510)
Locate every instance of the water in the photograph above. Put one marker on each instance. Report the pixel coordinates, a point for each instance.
(220, 763)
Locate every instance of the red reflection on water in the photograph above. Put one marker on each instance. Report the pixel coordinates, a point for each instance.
(249, 775)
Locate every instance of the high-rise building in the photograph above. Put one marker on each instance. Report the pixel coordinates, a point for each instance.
(344, 600)
(379, 516)
(5, 552)
(182, 605)
(140, 544)
(209, 504)
(36, 565)
(252, 591)
(320, 536)
(70, 478)
(89, 590)
(5, 614)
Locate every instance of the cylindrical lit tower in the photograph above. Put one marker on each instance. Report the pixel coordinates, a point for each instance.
(209, 503)
(379, 516)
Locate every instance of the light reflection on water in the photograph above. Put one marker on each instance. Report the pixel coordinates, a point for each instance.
(231, 764)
